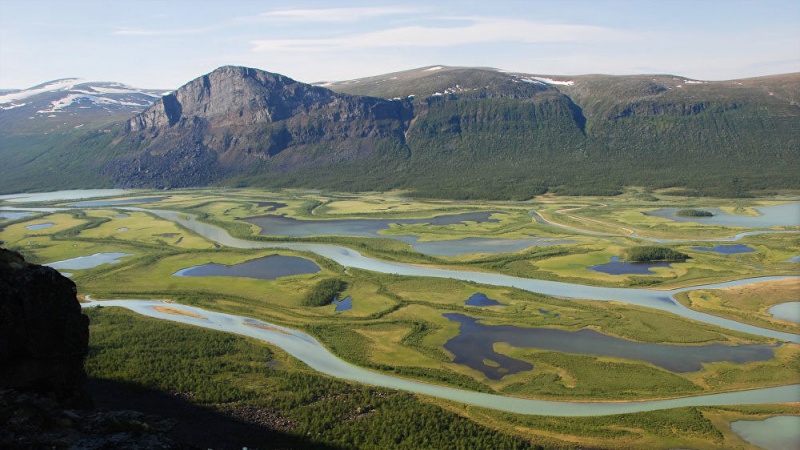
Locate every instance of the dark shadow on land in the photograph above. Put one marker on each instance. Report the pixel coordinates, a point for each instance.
(197, 427)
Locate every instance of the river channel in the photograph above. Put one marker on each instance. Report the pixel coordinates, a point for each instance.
(311, 352)
(650, 298)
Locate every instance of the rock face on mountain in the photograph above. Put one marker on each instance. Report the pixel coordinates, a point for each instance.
(44, 337)
(447, 132)
(234, 118)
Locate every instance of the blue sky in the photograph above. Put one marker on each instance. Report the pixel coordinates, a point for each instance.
(164, 44)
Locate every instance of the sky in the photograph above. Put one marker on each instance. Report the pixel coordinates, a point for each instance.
(165, 44)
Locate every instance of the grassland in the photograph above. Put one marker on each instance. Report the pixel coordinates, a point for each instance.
(396, 324)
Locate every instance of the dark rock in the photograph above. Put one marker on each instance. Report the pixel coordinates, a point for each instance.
(32, 421)
(44, 337)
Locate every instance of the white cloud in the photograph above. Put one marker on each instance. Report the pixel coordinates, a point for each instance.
(478, 30)
(333, 15)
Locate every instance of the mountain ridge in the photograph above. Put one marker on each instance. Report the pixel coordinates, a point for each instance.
(453, 132)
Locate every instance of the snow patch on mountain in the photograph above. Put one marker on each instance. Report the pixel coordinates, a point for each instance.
(552, 81)
(79, 99)
(52, 86)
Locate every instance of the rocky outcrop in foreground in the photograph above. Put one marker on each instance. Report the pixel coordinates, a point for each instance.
(44, 337)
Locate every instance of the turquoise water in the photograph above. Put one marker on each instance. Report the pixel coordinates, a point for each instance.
(88, 262)
(315, 355)
(773, 433)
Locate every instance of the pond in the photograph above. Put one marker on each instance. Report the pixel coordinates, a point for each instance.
(475, 345)
(479, 299)
(39, 226)
(127, 201)
(773, 433)
(13, 215)
(787, 311)
(727, 249)
(617, 267)
(343, 305)
(88, 262)
(286, 226)
(785, 215)
(266, 268)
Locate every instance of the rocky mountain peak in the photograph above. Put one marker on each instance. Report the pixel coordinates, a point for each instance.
(231, 94)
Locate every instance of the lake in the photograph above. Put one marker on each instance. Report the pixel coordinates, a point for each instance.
(773, 433)
(787, 311)
(785, 215)
(13, 215)
(266, 268)
(475, 344)
(479, 299)
(727, 249)
(617, 267)
(272, 225)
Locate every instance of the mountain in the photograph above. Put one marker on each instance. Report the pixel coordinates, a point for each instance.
(241, 121)
(54, 134)
(70, 102)
(440, 131)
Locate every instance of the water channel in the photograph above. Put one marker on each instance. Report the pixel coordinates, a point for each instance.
(650, 298)
(308, 350)
(315, 355)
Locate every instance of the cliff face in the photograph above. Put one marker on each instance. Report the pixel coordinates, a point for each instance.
(237, 118)
(44, 337)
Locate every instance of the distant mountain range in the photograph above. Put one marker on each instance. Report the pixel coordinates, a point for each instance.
(436, 131)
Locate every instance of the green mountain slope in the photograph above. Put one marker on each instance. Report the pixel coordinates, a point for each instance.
(439, 132)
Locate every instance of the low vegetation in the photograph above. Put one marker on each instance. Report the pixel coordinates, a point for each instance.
(694, 213)
(653, 253)
(396, 324)
(324, 292)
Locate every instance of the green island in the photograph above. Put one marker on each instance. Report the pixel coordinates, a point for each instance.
(694, 213)
(654, 253)
(396, 324)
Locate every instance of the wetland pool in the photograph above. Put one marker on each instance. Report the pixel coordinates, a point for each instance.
(730, 249)
(785, 215)
(345, 304)
(39, 226)
(787, 311)
(272, 225)
(266, 268)
(773, 433)
(475, 344)
(479, 299)
(617, 267)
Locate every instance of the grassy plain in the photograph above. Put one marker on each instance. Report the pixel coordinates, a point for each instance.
(396, 324)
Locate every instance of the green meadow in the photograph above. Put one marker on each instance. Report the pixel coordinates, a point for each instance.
(397, 325)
